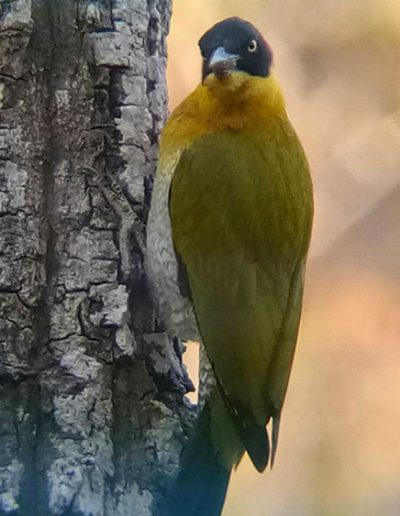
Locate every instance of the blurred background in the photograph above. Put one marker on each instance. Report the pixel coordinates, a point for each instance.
(339, 64)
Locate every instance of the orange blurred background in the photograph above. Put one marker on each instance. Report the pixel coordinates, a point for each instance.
(339, 64)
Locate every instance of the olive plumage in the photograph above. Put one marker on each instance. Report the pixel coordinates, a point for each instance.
(229, 229)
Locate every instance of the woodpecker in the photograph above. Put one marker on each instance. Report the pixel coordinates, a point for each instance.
(227, 239)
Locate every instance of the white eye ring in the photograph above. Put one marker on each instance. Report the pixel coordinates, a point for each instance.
(252, 46)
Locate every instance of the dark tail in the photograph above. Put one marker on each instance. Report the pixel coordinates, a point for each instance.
(202, 482)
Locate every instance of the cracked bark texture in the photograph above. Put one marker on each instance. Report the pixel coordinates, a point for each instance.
(91, 390)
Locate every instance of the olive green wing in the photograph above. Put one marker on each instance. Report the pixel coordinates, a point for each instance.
(237, 210)
(282, 360)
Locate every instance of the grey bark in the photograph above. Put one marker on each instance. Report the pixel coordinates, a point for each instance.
(91, 390)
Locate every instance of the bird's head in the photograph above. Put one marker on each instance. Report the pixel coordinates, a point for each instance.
(234, 50)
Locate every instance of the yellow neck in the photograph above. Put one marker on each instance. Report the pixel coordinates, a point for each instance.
(239, 101)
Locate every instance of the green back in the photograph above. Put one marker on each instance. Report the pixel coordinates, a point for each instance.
(241, 212)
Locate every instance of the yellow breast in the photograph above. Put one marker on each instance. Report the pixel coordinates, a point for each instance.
(239, 101)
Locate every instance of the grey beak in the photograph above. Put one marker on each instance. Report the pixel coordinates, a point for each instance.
(221, 62)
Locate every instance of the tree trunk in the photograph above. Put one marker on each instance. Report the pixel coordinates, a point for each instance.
(91, 390)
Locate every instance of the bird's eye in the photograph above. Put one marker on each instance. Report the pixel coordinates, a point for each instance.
(252, 46)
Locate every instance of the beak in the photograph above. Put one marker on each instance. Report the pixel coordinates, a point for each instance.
(221, 62)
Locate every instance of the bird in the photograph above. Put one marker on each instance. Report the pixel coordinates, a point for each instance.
(228, 234)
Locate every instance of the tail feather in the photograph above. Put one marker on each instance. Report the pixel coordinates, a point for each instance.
(202, 482)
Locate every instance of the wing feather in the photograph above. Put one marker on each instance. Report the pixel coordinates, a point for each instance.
(241, 214)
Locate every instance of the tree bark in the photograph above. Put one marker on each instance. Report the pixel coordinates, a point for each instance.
(91, 390)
